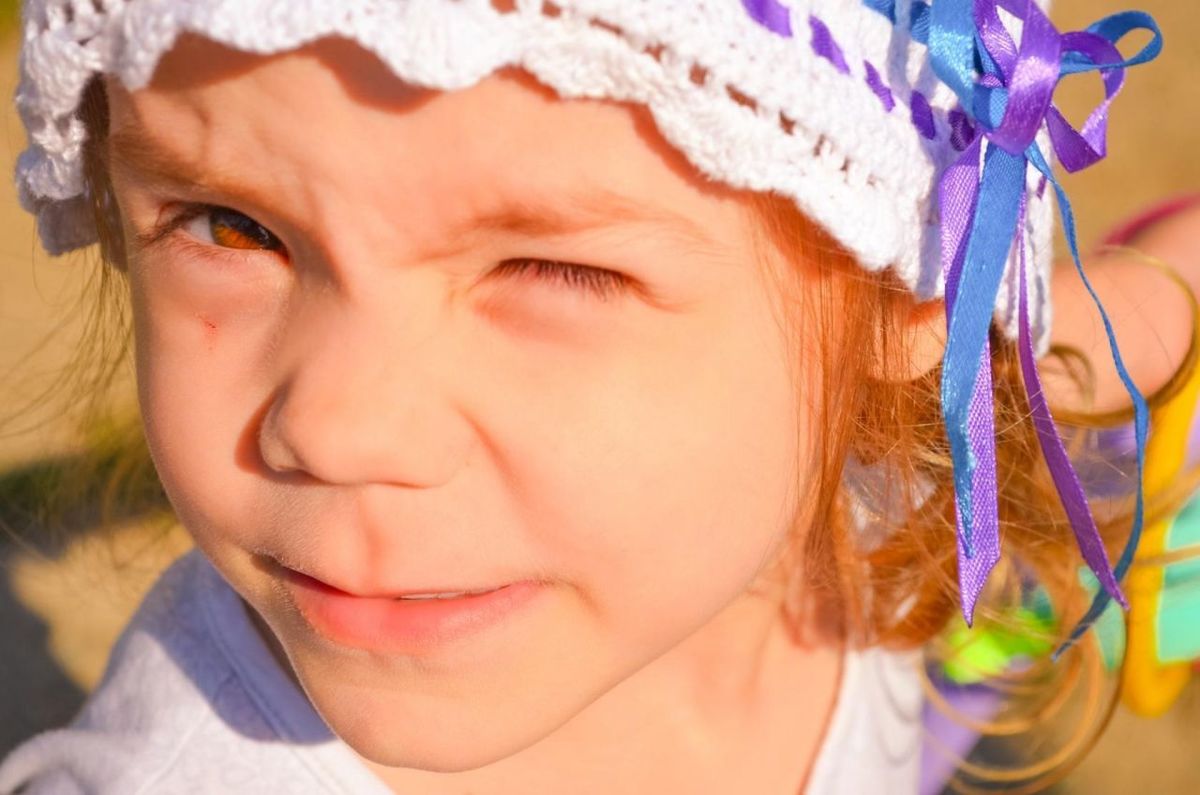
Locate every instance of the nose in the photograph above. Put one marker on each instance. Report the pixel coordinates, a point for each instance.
(360, 402)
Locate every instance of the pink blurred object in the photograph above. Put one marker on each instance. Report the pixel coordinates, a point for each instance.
(1133, 227)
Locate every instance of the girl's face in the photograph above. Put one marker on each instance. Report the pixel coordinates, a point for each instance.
(441, 342)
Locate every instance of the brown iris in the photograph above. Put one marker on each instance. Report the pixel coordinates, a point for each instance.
(231, 229)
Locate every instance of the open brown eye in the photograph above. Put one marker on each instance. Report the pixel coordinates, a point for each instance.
(231, 229)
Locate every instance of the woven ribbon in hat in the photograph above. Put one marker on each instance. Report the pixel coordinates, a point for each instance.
(919, 135)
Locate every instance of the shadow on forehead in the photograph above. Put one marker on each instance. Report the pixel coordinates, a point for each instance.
(195, 62)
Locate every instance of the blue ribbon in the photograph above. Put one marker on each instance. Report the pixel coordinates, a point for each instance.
(1007, 91)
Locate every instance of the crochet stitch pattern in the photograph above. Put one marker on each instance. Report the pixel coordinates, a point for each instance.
(844, 115)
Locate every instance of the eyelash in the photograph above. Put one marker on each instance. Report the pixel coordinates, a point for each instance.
(599, 282)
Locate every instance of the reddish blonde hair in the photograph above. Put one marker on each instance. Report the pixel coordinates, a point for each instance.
(898, 587)
(854, 587)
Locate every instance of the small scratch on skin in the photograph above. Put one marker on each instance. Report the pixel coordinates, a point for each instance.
(210, 329)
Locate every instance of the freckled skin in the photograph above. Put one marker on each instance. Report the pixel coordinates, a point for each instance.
(389, 419)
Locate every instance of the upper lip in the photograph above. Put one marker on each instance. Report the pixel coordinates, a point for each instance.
(364, 594)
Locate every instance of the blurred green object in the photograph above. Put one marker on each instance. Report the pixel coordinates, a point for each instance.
(988, 650)
(1179, 603)
(1177, 616)
(1109, 629)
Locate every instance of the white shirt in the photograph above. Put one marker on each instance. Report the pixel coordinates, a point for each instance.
(192, 703)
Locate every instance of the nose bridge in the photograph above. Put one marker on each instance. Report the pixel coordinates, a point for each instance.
(361, 397)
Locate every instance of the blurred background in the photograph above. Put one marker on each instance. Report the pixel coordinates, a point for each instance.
(66, 590)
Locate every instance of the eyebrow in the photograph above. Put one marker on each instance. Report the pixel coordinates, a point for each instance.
(128, 148)
(591, 209)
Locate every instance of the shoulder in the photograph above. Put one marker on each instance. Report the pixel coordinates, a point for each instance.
(188, 704)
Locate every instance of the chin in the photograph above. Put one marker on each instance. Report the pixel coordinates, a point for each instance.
(440, 754)
(411, 714)
(431, 733)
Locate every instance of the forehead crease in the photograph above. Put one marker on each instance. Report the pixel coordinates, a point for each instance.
(132, 146)
(489, 185)
(181, 142)
(533, 208)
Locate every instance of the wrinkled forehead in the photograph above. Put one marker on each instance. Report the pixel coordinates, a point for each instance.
(332, 115)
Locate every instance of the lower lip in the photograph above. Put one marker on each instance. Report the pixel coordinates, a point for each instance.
(402, 626)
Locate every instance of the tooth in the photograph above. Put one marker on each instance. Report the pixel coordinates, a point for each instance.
(454, 595)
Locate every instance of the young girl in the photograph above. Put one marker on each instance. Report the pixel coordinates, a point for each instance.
(552, 390)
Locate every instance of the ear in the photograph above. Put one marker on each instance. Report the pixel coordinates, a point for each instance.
(911, 338)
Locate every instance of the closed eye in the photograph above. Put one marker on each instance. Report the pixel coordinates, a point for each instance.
(599, 282)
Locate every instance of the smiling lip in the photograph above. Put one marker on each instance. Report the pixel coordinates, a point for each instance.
(402, 626)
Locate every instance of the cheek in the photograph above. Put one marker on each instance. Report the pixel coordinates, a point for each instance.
(200, 386)
(656, 468)
(665, 481)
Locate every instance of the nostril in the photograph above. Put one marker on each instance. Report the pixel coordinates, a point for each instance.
(250, 454)
(292, 435)
(273, 448)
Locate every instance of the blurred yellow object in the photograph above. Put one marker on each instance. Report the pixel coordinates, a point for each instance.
(1150, 686)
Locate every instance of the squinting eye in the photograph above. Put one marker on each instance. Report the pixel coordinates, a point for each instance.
(226, 228)
(600, 282)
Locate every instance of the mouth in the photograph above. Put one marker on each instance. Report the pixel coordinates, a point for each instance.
(447, 595)
(309, 581)
(415, 622)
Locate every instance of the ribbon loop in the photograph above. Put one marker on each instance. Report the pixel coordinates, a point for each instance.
(1008, 90)
(1030, 88)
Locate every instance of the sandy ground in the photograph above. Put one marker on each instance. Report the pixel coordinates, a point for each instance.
(61, 606)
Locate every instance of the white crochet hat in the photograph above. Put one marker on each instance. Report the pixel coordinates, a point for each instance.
(832, 103)
(848, 107)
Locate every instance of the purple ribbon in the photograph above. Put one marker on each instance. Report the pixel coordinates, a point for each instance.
(1008, 91)
(771, 15)
(978, 537)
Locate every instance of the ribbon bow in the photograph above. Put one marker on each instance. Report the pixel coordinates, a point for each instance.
(1007, 90)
